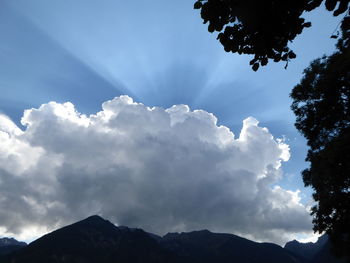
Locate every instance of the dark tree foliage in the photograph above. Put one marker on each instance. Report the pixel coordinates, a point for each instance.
(262, 28)
(322, 107)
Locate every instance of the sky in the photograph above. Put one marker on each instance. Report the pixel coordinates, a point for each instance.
(133, 110)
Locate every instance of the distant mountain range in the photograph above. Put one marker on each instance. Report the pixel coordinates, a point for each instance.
(96, 240)
(318, 252)
(8, 245)
(307, 250)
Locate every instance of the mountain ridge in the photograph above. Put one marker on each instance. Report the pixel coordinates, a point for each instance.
(9, 245)
(95, 239)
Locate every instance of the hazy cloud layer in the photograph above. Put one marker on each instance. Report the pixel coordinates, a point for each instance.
(161, 170)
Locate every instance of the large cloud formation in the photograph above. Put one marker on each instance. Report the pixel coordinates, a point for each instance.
(161, 170)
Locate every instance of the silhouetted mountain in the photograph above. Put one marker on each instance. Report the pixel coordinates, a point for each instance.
(325, 255)
(205, 246)
(6, 241)
(9, 245)
(97, 240)
(307, 250)
(93, 240)
(318, 252)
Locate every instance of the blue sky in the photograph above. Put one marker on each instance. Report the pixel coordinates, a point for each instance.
(159, 53)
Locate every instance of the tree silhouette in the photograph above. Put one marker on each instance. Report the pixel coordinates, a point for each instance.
(262, 28)
(322, 107)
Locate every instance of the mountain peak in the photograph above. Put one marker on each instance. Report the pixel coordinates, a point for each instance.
(307, 250)
(95, 222)
(10, 241)
(9, 245)
(92, 240)
(96, 240)
(94, 219)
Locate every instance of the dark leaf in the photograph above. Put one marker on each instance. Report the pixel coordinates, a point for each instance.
(307, 24)
(264, 62)
(253, 61)
(197, 5)
(330, 4)
(343, 6)
(211, 28)
(291, 55)
(220, 36)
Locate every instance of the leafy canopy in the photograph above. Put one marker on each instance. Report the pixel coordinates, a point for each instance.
(262, 28)
(322, 107)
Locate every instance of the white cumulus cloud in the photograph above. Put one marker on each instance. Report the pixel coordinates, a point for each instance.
(158, 169)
